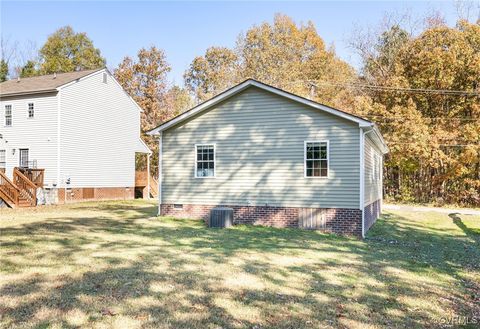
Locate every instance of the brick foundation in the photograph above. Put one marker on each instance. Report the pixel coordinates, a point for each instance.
(95, 193)
(372, 212)
(336, 220)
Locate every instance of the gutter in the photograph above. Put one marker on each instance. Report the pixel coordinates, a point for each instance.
(28, 93)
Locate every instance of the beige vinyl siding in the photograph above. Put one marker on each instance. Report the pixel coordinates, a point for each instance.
(259, 140)
(100, 128)
(38, 134)
(373, 187)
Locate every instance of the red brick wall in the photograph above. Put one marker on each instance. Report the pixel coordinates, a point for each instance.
(99, 193)
(338, 220)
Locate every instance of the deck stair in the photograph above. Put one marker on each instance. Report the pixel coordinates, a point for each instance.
(19, 192)
(141, 180)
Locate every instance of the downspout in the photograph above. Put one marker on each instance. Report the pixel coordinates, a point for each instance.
(160, 174)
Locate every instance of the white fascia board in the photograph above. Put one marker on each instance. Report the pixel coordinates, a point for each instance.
(226, 94)
(143, 145)
(378, 139)
(199, 108)
(361, 122)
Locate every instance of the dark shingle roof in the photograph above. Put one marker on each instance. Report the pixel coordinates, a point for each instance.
(44, 83)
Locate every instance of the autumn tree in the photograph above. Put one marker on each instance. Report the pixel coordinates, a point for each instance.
(29, 69)
(288, 55)
(177, 100)
(217, 70)
(284, 54)
(66, 50)
(429, 110)
(145, 79)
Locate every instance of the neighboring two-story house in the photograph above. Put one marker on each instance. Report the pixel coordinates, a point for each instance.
(79, 131)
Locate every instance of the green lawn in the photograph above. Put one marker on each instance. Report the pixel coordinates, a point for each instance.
(116, 264)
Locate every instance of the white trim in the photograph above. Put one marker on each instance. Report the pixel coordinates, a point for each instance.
(68, 84)
(160, 172)
(214, 160)
(5, 115)
(362, 179)
(305, 159)
(147, 149)
(4, 151)
(246, 84)
(362, 176)
(59, 119)
(28, 113)
(381, 183)
(126, 94)
(148, 176)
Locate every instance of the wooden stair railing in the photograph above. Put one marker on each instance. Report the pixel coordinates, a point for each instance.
(8, 191)
(153, 187)
(27, 189)
(34, 175)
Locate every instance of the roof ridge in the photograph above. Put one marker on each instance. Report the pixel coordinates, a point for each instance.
(43, 83)
(56, 73)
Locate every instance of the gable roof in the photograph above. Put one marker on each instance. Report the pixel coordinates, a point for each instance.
(242, 86)
(41, 84)
(362, 123)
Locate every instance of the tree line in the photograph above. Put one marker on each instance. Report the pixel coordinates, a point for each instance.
(422, 88)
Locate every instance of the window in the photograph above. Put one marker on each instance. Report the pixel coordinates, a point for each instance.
(31, 110)
(378, 162)
(8, 115)
(24, 158)
(316, 159)
(3, 160)
(205, 161)
(376, 166)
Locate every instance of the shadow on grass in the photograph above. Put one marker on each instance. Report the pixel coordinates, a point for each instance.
(468, 231)
(297, 278)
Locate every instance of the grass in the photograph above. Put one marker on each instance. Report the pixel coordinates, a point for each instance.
(115, 264)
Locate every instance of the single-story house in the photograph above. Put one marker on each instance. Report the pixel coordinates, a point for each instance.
(274, 157)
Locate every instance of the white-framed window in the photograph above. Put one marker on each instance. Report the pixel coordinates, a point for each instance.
(376, 166)
(204, 160)
(23, 160)
(8, 115)
(3, 160)
(31, 110)
(316, 159)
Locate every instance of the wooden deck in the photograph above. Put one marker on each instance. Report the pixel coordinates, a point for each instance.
(141, 180)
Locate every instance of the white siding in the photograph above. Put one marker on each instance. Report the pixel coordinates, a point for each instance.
(373, 187)
(259, 141)
(100, 128)
(38, 134)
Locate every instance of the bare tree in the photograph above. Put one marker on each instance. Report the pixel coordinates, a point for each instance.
(468, 10)
(16, 55)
